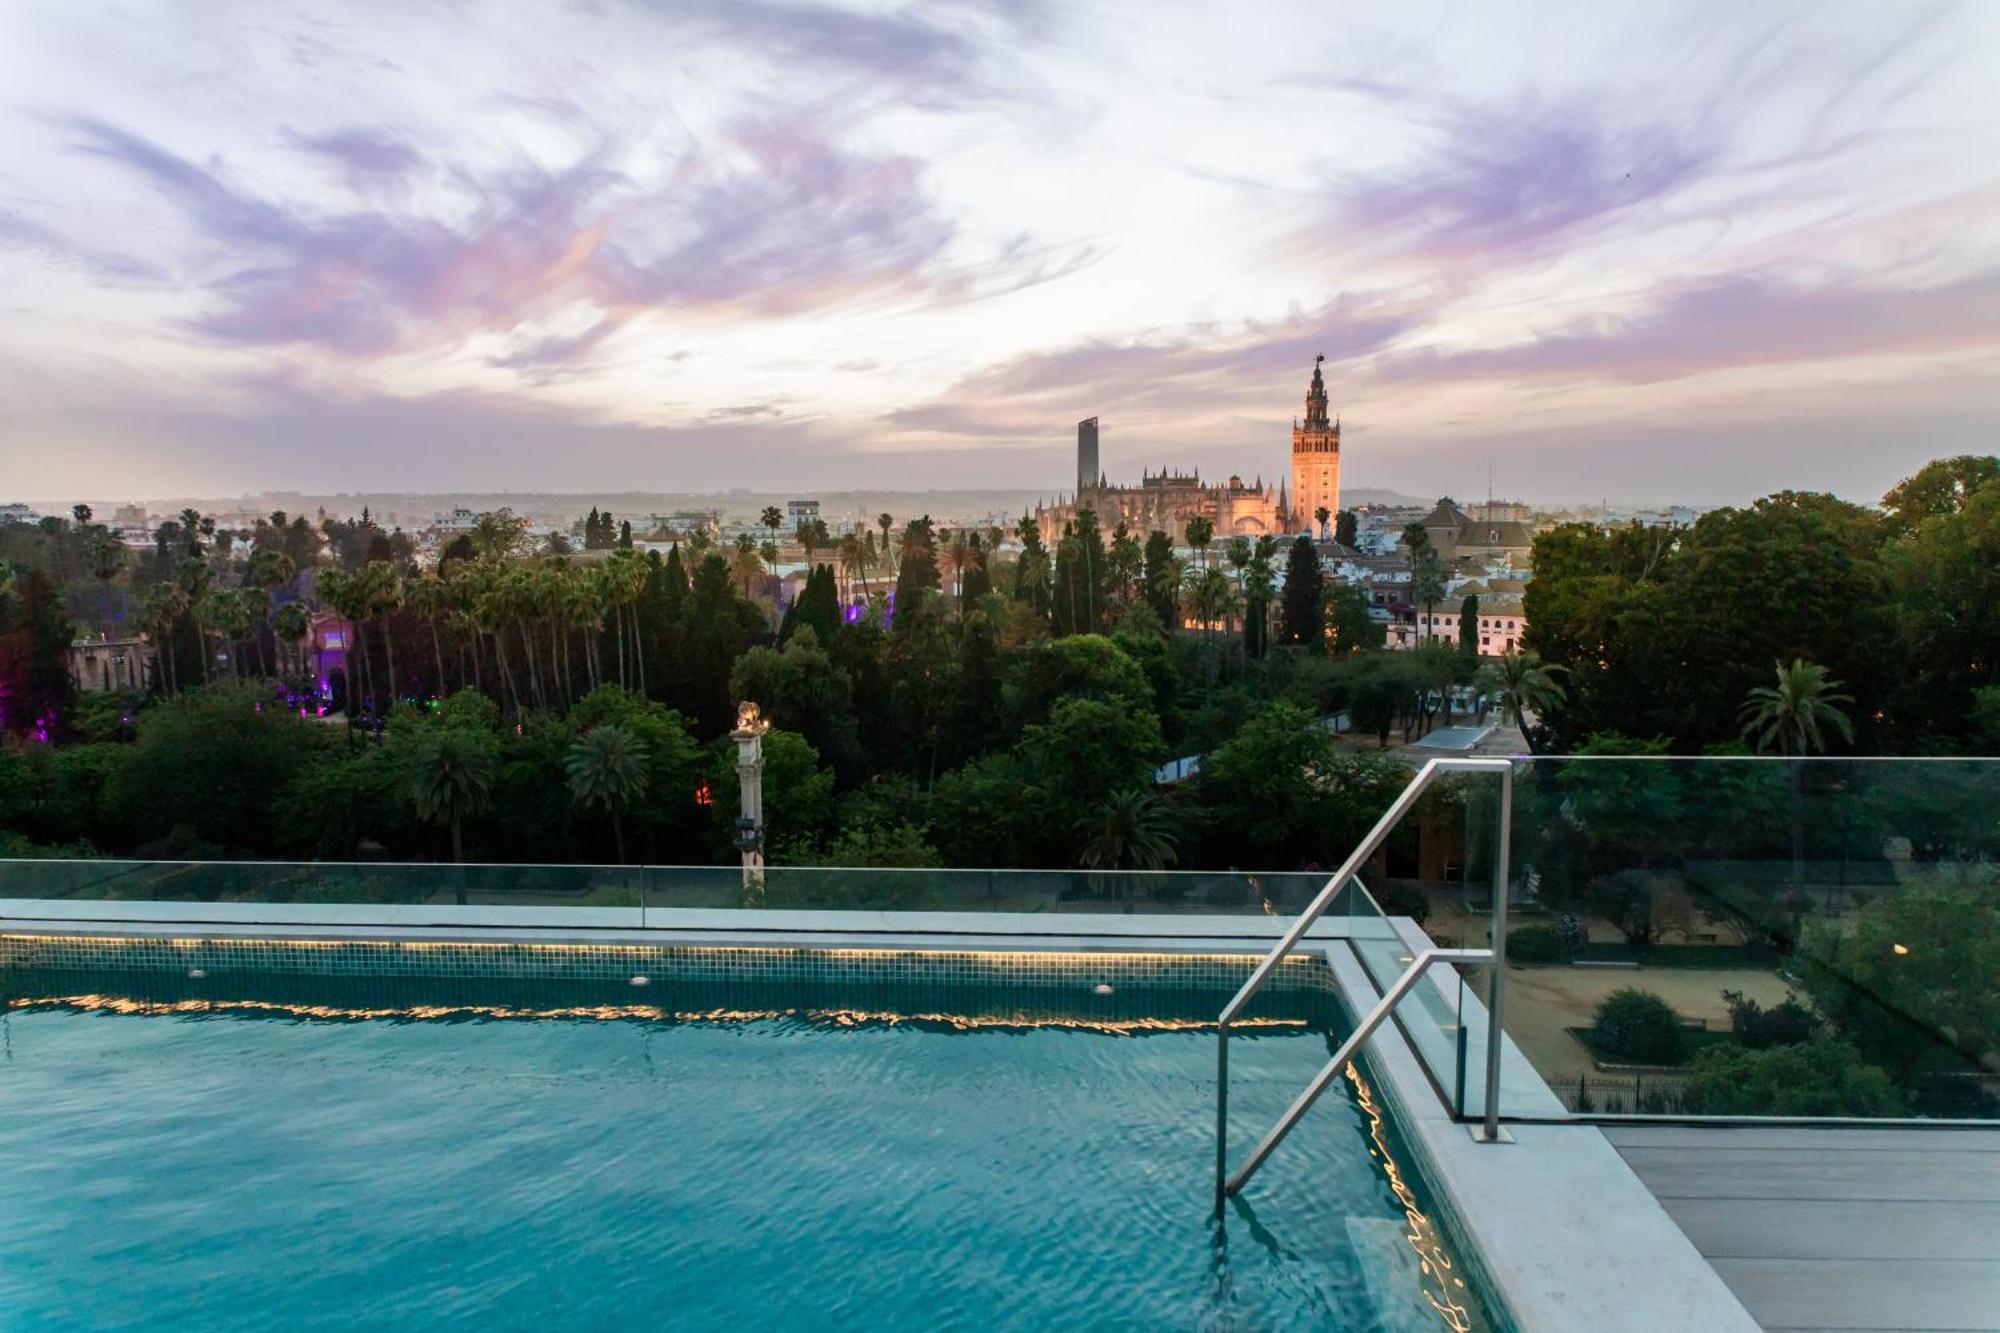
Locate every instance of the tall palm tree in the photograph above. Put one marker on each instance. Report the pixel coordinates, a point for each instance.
(431, 598)
(215, 613)
(290, 626)
(584, 602)
(886, 521)
(164, 605)
(954, 558)
(625, 576)
(744, 562)
(1523, 684)
(1322, 514)
(342, 591)
(607, 769)
(1130, 830)
(384, 596)
(1793, 716)
(450, 778)
(1200, 532)
(491, 610)
(853, 561)
(772, 518)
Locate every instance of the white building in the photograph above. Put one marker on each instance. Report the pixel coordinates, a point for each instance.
(1502, 623)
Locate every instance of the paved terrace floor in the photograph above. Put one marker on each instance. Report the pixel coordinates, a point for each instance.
(1848, 1229)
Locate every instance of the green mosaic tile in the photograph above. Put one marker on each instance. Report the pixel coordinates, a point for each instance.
(694, 963)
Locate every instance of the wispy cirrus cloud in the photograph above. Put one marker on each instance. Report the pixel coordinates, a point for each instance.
(931, 55)
(366, 159)
(1500, 182)
(1732, 322)
(1155, 380)
(781, 222)
(21, 233)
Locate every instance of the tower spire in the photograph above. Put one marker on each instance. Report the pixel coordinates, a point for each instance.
(1316, 398)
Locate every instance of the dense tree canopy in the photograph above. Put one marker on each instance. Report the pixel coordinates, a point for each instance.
(1666, 631)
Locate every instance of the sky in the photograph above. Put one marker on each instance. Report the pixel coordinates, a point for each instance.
(1652, 252)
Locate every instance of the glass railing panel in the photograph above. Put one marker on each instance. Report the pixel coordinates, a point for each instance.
(898, 889)
(1759, 936)
(306, 884)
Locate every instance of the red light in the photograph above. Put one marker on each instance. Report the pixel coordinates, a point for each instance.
(703, 795)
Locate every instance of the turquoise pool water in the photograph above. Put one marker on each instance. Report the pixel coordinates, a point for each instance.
(236, 1156)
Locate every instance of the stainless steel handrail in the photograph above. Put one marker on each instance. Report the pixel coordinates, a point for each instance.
(1349, 868)
(1348, 1050)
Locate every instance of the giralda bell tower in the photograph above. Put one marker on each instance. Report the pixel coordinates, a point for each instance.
(1315, 460)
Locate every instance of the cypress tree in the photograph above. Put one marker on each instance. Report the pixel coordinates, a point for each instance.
(1468, 626)
(1160, 577)
(1304, 595)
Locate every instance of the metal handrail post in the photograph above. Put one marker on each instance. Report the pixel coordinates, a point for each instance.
(1501, 886)
(1324, 898)
(1346, 1052)
(1349, 870)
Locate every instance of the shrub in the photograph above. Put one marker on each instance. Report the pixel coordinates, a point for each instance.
(1405, 900)
(1538, 943)
(1822, 1076)
(1638, 1025)
(1784, 1024)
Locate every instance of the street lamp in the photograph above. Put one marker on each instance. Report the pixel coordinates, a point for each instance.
(749, 738)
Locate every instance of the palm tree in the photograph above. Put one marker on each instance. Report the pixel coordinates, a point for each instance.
(625, 576)
(1523, 684)
(746, 563)
(163, 608)
(1322, 514)
(349, 599)
(1131, 830)
(431, 597)
(583, 608)
(105, 557)
(1211, 599)
(812, 535)
(772, 518)
(1200, 532)
(451, 777)
(851, 562)
(886, 521)
(491, 609)
(954, 558)
(1793, 716)
(290, 625)
(384, 595)
(607, 768)
(215, 612)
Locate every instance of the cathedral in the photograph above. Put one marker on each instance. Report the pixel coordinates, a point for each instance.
(1167, 501)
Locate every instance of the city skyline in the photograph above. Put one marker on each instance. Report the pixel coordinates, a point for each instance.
(521, 249)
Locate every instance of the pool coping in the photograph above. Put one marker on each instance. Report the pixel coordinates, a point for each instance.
(1561, 1231)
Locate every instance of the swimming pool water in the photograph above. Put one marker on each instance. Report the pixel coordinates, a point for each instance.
(236, 1167)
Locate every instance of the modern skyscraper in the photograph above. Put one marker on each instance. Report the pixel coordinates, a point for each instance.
(1315, 459)
(1087, 475)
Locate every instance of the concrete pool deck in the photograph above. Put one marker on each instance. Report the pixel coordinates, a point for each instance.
(1564, 1233)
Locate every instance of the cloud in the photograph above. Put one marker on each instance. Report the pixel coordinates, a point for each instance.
(105, 266)
(1731, 322)
(776, 220)
(367, 160)
(926, 62)
(1495, 181)
(1043, 391)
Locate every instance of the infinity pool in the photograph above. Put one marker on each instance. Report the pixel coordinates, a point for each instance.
(312, 1153)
